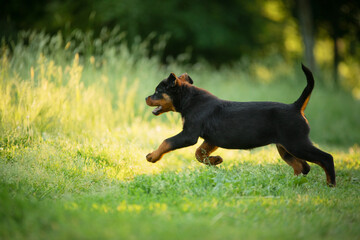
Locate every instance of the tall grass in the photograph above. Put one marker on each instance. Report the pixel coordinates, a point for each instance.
(58, 85)
(46, 87)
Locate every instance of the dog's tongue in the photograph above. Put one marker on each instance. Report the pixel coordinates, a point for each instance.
(157, 110)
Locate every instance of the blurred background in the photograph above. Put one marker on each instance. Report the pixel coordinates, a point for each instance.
(324, 34)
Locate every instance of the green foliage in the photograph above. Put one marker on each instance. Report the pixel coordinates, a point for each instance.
(74, 132)
(217, 31)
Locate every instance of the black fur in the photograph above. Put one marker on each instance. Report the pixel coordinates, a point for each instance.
(244, 125)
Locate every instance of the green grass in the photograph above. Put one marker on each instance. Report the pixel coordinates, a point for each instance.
(75, 131)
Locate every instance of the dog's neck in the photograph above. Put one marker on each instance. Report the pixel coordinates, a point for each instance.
(189, 97)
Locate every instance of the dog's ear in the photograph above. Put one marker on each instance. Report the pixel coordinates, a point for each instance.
(173, 80)
(172, 77)
(185, 77)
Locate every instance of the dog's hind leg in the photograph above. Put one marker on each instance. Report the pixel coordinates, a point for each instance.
(306, 151)
(203, 152)
(299, 165)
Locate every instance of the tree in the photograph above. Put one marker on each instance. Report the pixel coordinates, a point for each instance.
(341, 21)
(306, 24)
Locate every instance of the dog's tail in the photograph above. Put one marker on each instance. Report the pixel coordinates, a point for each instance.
(303, 100)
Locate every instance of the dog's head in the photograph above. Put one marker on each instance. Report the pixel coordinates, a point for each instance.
(166, 92)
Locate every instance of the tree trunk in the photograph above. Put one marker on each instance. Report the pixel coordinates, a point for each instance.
(336, 59)
(307, 31)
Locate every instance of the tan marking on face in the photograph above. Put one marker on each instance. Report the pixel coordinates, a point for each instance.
(165, 103)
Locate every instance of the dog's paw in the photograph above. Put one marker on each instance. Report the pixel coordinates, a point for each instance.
(215, 160)
(149, 157)
(152, 157)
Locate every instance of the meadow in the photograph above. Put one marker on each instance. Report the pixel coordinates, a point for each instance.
(75, 130)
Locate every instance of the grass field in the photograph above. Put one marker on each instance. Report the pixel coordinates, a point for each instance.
(75, 131)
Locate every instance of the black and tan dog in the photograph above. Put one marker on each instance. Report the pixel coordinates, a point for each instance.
(238, 125)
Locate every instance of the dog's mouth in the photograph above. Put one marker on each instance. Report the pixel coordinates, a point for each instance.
(157, 110)
(152, 103)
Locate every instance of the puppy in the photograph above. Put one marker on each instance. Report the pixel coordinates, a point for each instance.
(238, 125)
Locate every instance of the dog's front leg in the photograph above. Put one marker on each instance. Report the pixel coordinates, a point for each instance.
(183, 139)
(158, 153)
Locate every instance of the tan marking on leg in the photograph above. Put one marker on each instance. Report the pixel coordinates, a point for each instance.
(328, 178)
(165, 103)
(203, 152)
(156, 155)
(295, 163)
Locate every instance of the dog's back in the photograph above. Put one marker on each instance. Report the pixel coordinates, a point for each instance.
(245, 125)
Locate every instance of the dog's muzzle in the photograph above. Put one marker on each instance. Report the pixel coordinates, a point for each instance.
(150, 103)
